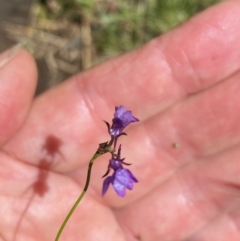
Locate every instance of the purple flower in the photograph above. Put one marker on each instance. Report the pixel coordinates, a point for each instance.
(121, 178)
(122, 118)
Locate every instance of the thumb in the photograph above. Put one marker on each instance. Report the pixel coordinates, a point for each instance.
(18, 77)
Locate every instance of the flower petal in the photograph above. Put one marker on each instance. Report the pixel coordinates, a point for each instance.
(119, 188)
(106, 184)
(124, 115)
(122, 176)
(134, 179)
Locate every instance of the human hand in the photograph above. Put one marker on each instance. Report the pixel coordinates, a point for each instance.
(183, 86)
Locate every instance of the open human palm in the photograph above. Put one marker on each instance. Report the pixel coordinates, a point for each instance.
(184, 87)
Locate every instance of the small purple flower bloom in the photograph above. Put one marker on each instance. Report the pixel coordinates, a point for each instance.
(121, 179)
(122, 118)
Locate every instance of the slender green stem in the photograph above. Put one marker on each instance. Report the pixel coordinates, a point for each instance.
(96, 155)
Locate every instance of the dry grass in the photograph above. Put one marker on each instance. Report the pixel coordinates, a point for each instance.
(73, 35)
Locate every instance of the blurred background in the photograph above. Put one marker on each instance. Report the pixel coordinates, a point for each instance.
(68, 36)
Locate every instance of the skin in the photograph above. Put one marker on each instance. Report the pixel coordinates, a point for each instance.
(184, 87)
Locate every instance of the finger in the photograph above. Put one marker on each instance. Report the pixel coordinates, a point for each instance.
(36, 201)
(221, 229)
(198, 194)
(17, 85)
(184, 61)
(164, 210)
(76, 107)
(202, 125)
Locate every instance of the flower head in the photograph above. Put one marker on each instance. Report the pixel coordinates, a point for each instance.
(121, 178)
(122, 118)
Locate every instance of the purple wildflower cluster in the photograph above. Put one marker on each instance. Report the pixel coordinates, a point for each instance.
(122, 178)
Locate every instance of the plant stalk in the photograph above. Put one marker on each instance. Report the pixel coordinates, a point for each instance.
(103, 148)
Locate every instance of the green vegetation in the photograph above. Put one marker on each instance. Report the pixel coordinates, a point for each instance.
(117, 26)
